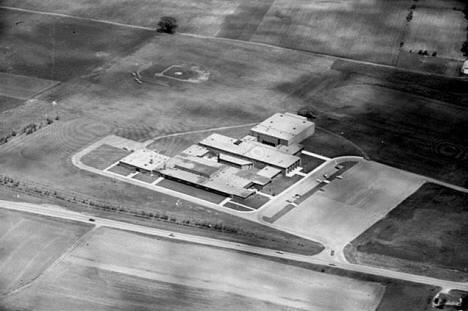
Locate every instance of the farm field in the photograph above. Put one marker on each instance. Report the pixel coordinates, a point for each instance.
(56, 48)
(120, 271)
(201, 17)
(375, 31)
(401, 119)
(437, 27)
(197, 270)
(425, 234)
(244, 21)
(365, 30)
(30, 244)
(346, 207)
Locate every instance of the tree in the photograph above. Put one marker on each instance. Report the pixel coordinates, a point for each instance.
(167, 24)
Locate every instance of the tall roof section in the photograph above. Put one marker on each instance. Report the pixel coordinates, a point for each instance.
(250, 149)
(283, 126)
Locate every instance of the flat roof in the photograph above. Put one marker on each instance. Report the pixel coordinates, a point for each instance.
(235, 160)
(250, 149)
(224, 181)
(196, 150)
(268, 172)
(194, 164)
(145, 159)
(283, 125)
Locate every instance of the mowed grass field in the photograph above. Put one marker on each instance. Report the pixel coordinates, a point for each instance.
(425, 234)
(56, 48)
(437, 27)
(22, 87)
(117, 270)
(7, 103)
(30, 244)
(104, 156)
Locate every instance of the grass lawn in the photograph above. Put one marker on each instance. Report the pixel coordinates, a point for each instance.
(121, 170)
(425, 234)
(236, 207)
(146, 177)
(280, 183)
(309, 163)
(254, 201)
(193, 191)
(104, 156)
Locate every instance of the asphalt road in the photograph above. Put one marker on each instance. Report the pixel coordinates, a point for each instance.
(321, 259)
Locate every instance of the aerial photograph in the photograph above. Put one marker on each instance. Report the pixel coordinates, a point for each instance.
(233, 155)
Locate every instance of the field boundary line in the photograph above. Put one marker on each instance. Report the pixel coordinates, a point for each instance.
(89, 19)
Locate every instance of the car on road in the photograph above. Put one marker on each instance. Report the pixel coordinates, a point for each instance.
(92, 219)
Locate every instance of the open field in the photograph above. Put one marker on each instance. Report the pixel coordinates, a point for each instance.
(104, 156)
(202, 17)
(117, 270)
(425, 234)
(57, 48)
(30, 244)
(244, 21)
(196, 192)
(346, 207)
(437, 27)
(366, 30)
(363, 30)
(401, 119)
(193, 269)
(7, 103)
(22, 87)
